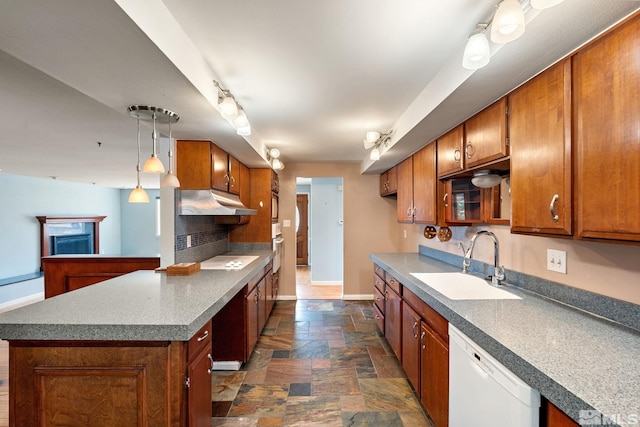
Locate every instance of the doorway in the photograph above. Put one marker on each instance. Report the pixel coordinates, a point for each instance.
(319, 238)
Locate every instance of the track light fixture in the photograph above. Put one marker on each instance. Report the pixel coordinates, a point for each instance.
(376, 139)
(272, 156)
(232, 111)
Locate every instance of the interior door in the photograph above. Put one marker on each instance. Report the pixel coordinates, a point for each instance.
(302, 233)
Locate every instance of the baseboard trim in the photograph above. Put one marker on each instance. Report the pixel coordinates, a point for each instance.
(356, 297)
(286, 298)
(29, 299)
(227, 366)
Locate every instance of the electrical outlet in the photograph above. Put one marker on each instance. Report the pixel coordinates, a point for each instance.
(557, 261)
(188, 240)
(404, 233)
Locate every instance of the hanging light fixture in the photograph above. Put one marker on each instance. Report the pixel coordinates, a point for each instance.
(170, 179)
(376, 139)
(508, 22)
(477, 52)
(153, 163)
(138, 195)
(544, 4)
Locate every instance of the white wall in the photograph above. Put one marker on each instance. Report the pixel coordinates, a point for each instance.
(138, 225)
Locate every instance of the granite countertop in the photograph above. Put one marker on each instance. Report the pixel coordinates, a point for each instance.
(139, 306)
(576, 360)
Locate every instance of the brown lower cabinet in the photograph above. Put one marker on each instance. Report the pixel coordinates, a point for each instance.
(393, 320)
(554, 417)
(111, 383)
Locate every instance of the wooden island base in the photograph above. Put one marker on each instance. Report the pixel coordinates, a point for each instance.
(99, 383)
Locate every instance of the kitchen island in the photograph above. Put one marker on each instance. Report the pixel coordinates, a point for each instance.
(577, 360)
(118, 352)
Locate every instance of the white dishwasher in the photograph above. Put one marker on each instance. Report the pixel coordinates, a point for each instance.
(482, 392)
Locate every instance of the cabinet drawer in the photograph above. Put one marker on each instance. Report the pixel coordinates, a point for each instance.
(393, 283)
(379, 271)
(379, 318)
(378, 283)
(378, 298)
(438, 323)
(200, 340)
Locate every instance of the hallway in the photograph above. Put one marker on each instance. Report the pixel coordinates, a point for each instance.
(318, 363)
(307, 291)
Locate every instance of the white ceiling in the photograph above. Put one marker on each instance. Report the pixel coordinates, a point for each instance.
(313, 76)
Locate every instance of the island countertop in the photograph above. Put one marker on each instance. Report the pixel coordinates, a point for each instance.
(577, 360)
(139, 306)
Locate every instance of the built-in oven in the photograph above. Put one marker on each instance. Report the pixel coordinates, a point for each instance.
(274, 207)
(278, 242)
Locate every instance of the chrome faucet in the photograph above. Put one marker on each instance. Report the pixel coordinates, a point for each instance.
(498, 271)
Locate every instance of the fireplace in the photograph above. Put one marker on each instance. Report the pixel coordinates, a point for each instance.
(69, 235)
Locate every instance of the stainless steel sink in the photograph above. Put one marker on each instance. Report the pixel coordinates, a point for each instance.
(459, 286)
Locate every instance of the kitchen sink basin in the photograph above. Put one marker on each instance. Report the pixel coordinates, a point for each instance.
(460, 286)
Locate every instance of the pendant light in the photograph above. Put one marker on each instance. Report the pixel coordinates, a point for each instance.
(375, 154)
(508, 22)
(138, 195)
(170, 179)
(153, 163)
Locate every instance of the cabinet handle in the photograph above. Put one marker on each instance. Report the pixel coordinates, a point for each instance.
(226, 178)
(469, 150)
(415, 332)
(414, 211)
(377, 298)
(422, 339)
(232, 182)
(456, 155)
(386, 295)
(210, 361)
(377, 317)
(444, 200)
(409, 212)
(554, 215)
(204, 336)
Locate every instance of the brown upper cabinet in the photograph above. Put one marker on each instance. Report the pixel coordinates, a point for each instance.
(417, 187)
(389, 182)
(202, 165)
(450, 147)
(606, 84)
(540, 135)
(486, 135)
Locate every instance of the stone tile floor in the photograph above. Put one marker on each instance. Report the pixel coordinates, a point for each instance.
(318, 363)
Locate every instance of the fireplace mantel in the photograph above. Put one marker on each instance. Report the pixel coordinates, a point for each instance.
(45, 249)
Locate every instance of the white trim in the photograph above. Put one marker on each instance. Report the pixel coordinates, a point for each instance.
(286, 298)
(226, 366)
(325, 283)
(356, 297)
(29, 299)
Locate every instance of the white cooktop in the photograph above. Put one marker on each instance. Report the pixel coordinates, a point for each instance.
(227, 262)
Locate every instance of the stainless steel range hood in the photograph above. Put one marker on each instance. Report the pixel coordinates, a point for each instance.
(211, 202)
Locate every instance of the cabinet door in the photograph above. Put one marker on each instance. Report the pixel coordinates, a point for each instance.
(434, 376)
(540, 135)
(411, 345)
(199, 391)
(392, 180)
(424, 185)
(464, 202)
(554, 417)
(252, 320)
(384, 183)
(193, 164)
(606, 84)
(486, 135)
(450, 149)
(220, 168)
(393, 321)
(262, 304)
(405, 191)
(234, 175)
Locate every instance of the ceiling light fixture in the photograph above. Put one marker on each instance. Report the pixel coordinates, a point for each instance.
(138, 195)
(544, 4)
(508, 22)
(153, 163)
(376, 139)
(485, 179)
(477, 52)
(272, 157)
(232, 111)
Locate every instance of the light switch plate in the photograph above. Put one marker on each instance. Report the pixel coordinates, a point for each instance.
(286, 223)
(557, 261)
(188, 240)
